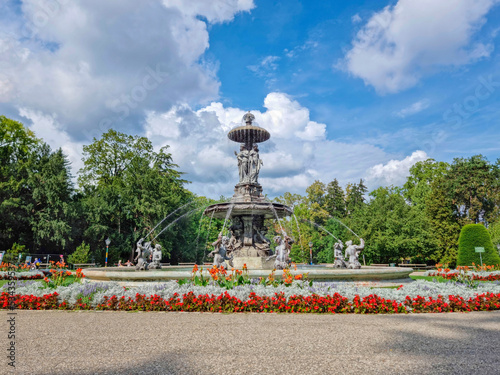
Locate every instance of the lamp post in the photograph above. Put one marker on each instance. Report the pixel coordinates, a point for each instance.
(311, 252)
(108, 241)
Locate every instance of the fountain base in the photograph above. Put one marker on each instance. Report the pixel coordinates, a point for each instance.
(253, 263)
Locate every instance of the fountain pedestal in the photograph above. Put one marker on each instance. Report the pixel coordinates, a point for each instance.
(253, 263)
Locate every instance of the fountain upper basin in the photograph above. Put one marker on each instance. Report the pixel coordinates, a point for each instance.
(266, 209)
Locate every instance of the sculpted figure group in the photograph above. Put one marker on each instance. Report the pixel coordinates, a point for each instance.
(351, 251)
(147, 257)
(249, 164)
(282, 252)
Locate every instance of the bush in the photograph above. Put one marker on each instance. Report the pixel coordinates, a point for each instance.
(472, 236)
(81, 254)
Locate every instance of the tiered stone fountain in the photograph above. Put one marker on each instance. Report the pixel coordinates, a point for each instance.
(248, 208)
(244, 215)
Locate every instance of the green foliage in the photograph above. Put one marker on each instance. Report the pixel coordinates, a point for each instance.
(473, 187)
(472, 236)
(422, 174)
(127, 187)
(335, 203)
(393, 230)
(494, 231)
(354, 194)
(80, 255)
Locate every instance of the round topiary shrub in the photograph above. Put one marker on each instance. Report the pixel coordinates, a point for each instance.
(472, 236)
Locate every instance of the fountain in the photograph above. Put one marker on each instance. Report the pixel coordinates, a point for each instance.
(248, 208)
(245, 214)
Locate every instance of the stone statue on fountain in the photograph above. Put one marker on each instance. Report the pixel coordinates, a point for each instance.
(352, 251)
(243, 163)
(282, 252)
(220, 252)
(261, 243)
(254, 165)
(155, 264)
(143, 252)
(337, 253)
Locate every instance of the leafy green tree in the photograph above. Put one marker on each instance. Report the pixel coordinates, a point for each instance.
(80, 255)
(393, 230)
(422, 174)
(444, 225)
(472, 236)
(471, 183)
(126, 188)
(16, 149)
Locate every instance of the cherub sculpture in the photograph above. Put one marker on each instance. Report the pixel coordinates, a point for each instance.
(337, 253)
(155, 264)
(220, 252)
(352, 251)
(142, 255)
(282, 252)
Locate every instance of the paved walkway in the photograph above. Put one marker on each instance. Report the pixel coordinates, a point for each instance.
(57, 342)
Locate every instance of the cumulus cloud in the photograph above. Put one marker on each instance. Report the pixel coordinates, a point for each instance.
(297, 153)
(394, 172)
(413, 108)
(100, 64)
(405, 41)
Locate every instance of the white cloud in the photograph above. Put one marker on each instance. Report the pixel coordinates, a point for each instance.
(297, 153)
(394, 172)
(96, 64)
(356, 18)
(403, 42)
(414, 108)
(47, 128)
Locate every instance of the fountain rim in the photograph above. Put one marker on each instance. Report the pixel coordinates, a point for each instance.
(264, 135)
(256, 208)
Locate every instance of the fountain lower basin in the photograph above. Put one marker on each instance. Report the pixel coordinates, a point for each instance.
(316, 273)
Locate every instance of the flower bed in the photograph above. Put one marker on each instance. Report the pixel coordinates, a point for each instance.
(462, 274)
(28, 275)
(298, 297)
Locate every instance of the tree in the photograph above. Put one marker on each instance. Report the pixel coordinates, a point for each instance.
(422, 174)
(471, 183)
(316, 193)
(443, 222)
(80, 255)
(335, 203)
(393, 230)
(127, 187)
(472, 236)
(51, 198)
(16, 149)
(355, 196)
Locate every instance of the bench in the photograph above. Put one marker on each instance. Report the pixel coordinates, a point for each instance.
(416, 266)
(379, 265)
(187, 264)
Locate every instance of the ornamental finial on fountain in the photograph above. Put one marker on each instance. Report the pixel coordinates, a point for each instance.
(248, 118)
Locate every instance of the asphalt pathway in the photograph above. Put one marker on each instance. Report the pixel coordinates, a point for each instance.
(61, 342)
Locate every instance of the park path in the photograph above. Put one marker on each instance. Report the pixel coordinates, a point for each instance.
(62, 342)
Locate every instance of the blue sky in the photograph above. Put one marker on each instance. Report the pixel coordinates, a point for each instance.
(348, 90)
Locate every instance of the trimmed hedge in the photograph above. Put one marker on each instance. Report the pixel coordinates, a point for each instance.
(472, 236)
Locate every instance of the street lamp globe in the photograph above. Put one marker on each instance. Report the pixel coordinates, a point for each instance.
(108, 241)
